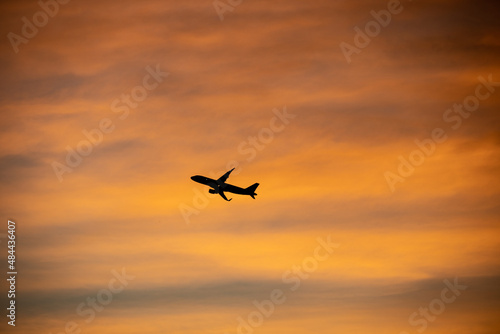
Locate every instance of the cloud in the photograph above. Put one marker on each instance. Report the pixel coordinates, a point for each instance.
(314, 300)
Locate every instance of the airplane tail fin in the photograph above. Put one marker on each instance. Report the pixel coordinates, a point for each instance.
(251, 190)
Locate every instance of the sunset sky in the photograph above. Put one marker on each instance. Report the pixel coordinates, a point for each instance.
(376, 145)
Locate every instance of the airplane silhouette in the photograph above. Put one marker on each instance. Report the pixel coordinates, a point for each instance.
(220, 186)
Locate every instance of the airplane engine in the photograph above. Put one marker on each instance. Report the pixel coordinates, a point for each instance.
(212, 191)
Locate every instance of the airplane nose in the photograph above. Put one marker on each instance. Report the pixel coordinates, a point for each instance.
(196, 178)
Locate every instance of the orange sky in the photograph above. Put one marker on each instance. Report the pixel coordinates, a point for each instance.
(199, 264)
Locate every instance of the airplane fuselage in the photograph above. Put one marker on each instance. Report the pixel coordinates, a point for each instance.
(217, 187)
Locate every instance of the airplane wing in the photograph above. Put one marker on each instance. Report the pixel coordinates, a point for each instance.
(224, 177)
(221, 193)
